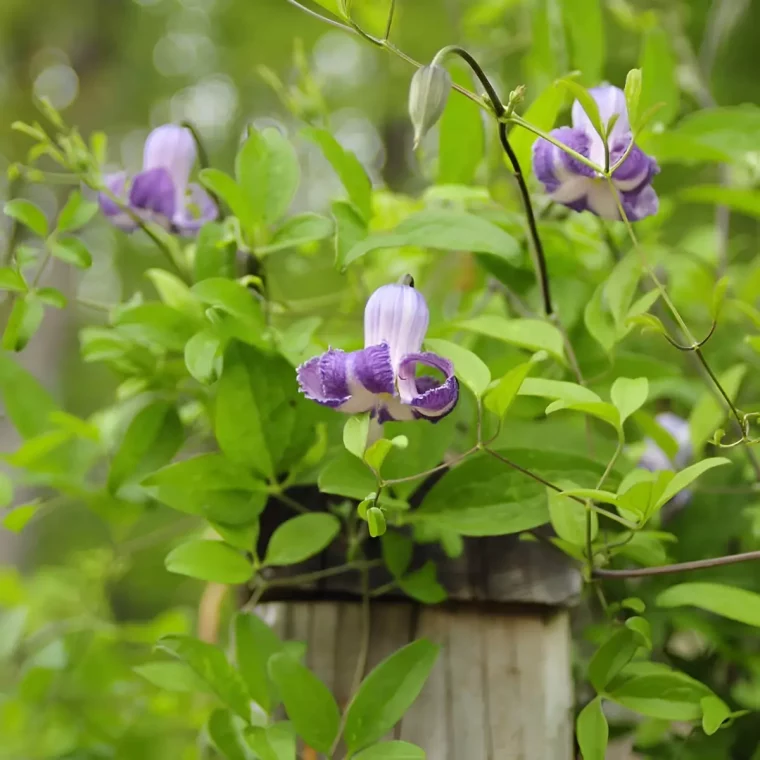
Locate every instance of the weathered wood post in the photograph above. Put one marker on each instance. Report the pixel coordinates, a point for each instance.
(502, 686)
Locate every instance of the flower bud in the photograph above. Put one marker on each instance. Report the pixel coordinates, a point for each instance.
(427, 98)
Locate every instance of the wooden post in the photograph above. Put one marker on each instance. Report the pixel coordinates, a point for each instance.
(501, 688)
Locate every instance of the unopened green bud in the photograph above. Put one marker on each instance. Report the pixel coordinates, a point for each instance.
(427, 98)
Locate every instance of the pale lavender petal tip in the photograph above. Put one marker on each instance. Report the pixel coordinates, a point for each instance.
(171, 147)
(553, 166)
(397, 315)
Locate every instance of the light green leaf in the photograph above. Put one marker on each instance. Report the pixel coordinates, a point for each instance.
(28, 214)
(585, 27)
(233, 298)
(10, 279)
(73, 251)
(589, 105)
(227, 734)
(215, 253)
(347, 167)
(209, 663)
(568, 517)
(558, 390)
(714, 713)
(598, 322)
(592, 731)
(605, 412)
(659, 83)
(231, 193)
(447, 230)
(376, 522)
(387, 693)
(461, 135)
(633, 84)
(620, 288)
(499, 399)
(308, 702)
(685, 477)
(255, 644)
(18, 518)
(709, 413)
(739, 199)
(209, 561)
(26, 401)
(175, 293)
(422, 585)
(468, 367)
(274, 742)
(350, 229)
(171, 676)
(612, 656)
(24, 320)
(629, 396)
(297, 231)
(52, 297)
(301, 537)
(728, 601)
(530, 334)
(202, 352)
(391, 751)
(77, 212)
(355, 433)
(666, 696)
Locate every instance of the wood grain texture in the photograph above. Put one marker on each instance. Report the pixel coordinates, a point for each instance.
(500, 690)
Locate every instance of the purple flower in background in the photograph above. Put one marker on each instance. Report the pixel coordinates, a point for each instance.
(579, 187)
(655, 459)
(162, 191)
(381, 377)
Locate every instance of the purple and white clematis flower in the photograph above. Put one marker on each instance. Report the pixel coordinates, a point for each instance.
(162, 191)
(655, 459)
(573, 184)
(380, 378)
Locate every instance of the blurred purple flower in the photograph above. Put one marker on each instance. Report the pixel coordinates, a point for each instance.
(162, 191)
(380, 378)
(572, 183)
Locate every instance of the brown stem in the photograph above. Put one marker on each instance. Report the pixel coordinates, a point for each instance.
(680, 567)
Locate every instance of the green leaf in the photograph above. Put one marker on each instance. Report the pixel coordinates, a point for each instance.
(633, 84)
(612, 657)
(175, 293)
(499, 399)
(468, 367)
(629, 396)
(153, 437)
(741, 200)
(376, 522)
(589, 105)
(350, 229)
(447, 230)
(209, 663)
(530, 334)
(709, 413)
(568, 517)
(234, 299)
(52, 297)
(484, 497)
(10, 279)
(275, 742)
(397, 552)
(24, 320)
(73, 251)
(391, 751)
(355, 433)
(26, 402)
(202, 352)
(602, 411)
(598, 322)
(585, 27)
(542, 113)
(171, 676)
(28, 214)
(461, 135)
(640, 626)
(18, 518)
(268, 173)
(209, 561)
(387, 693)
(714, 713)
(77, 212)
(659, 82)
(422, 585)
(348, 168)
(255, 644)
(256, 408)
(557, 390)
(685, 477)
(309, 704)
(297, 231)
(727, 601)
(301, 537)
(226, 732)
(666, 696)
(621, 286)
(215, 253)
(12, 627)
(592, 731)
(229, 192)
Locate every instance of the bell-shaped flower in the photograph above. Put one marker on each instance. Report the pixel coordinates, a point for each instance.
(162, 191)
(655, 459)
(578, 186)
(381, 378)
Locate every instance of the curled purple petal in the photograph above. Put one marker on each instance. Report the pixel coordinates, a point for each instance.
(171, 147)
(324, 378)
(641, 204)
(429, 397)
(373, 370)
(117, 185)
(397, 315)
(197, 209)
(636, 171)
(153, 191)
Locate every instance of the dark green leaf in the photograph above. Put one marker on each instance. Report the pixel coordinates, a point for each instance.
(397, 552)
(422, 585)
(308, 702)
(301, 537)
(387, 693)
